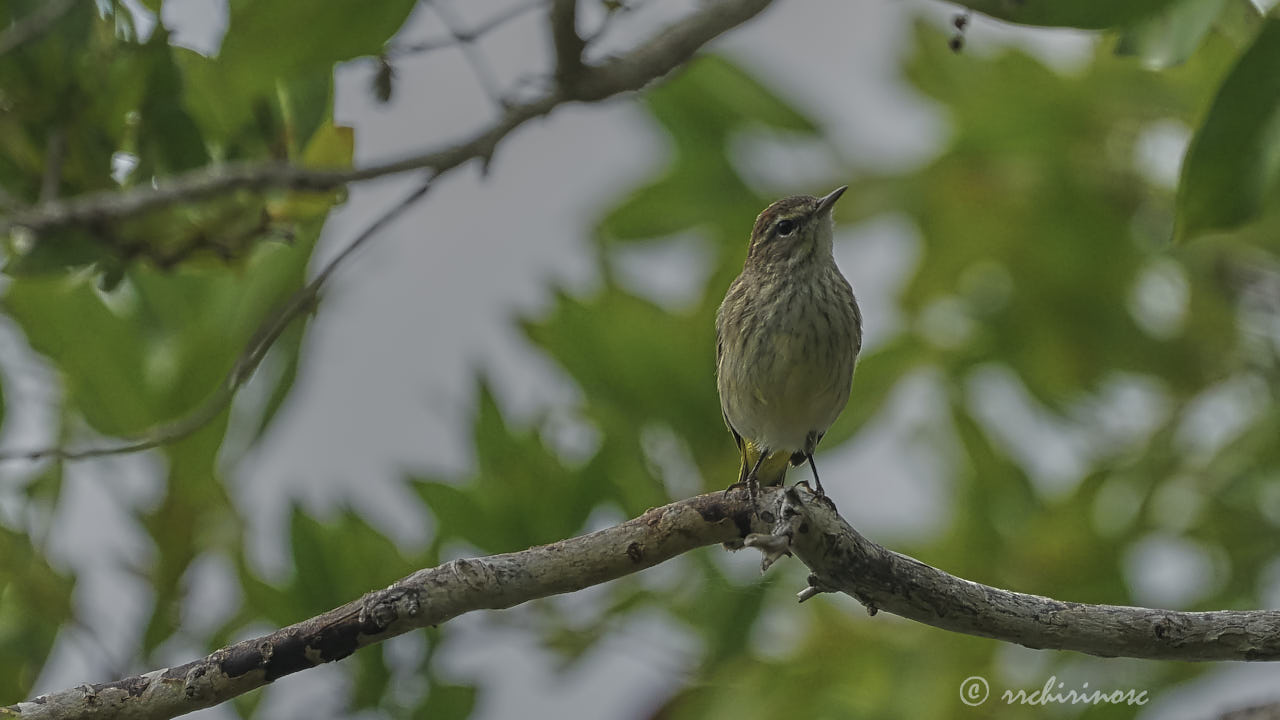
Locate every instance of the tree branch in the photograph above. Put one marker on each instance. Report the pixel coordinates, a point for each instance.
(663, 53)
(563, 18)
(840, 558)
(479, 66)
(426, 598)
(652, 59)
(1266, 711)
(272, 327)
(458, 37)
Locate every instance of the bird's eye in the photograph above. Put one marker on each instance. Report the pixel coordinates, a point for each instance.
(786, 227)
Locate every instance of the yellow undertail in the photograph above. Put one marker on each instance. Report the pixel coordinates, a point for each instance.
(772, 471)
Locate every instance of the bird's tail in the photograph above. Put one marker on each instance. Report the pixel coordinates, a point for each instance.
(771, 472)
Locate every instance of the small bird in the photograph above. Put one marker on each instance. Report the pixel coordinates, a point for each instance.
(787, 335)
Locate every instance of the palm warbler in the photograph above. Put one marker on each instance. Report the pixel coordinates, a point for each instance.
(787, 335)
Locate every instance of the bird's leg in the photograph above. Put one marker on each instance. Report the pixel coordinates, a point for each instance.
(810, 443)
(753, 482)
(821, 494)
(816, 481)
(749, 480)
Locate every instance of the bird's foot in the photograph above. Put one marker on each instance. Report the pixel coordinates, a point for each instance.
(818, 494)
(751, 485)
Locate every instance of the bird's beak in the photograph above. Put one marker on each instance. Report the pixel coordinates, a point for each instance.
(824, 205)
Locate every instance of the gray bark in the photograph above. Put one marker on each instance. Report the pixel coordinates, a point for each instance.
(778, 523)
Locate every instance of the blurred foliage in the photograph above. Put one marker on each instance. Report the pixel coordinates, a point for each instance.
(1047, 264)
(144, 319)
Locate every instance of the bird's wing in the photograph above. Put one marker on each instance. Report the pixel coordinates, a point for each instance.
(737, 438)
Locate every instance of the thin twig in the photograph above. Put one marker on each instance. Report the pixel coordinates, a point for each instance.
(300, 303)
(668, 49)
(475, 58)
(614, 11)
(464, 36)
(569, 45)
(843, 560)
(663, 53)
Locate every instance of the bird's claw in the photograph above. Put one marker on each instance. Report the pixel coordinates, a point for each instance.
(750, 484)
(821, 496)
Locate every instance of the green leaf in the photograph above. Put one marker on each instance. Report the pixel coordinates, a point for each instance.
(332, 146)
(278, 46)
(445, 701)
(740, 97)
(285, 351)
(101, 355)
(1240, 21)
(62, 83)
(515, 471)
(56, 253)
(455, 511)
(619, 347)
(152, 352)
(168, 139)
(307, 105)
(338, 561)
(1087, 14)
(372, 678)
(1038, 275)
(1232, 163)
(702, 110)
(676, 202)
(35, 600)
(1171, 36)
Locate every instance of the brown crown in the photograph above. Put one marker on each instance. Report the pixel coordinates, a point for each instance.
(796, 204)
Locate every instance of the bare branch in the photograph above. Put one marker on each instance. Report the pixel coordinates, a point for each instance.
(613, 11)
(465, 36)
(479, 66)
(569, 45)
(298, 304)
(1266, 711)
(669, 49)
(428, 597)
(838, 555)
(653, 59)
(842, 559)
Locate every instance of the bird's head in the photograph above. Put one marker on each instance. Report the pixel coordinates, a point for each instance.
(794, 229)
